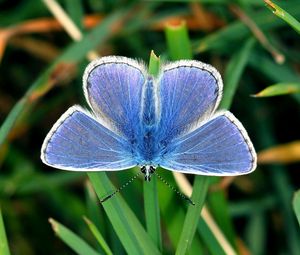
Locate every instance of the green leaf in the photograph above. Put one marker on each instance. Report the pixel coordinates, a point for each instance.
(279, 89)
(279, 12)
(98, 236)
(128, 228)
(4, 249)
(71, 239)
(276, 73)
(296, 205)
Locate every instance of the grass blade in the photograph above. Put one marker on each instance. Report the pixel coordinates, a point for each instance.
(154, 64)
(179, 45)
(94, 212)
(296, 205)
(276, 73)
(173, 213)
(279, 12)
(98, 236)
(75, 11)
(209, 238)
(236, 31)
(256, 233)
(218, 204)
(279, 89)
(128, 228)
(4, 249)
(71, 239)
(234, 72)
(200, 188)
(152, 211)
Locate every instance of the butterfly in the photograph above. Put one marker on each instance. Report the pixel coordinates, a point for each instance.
(140, 120)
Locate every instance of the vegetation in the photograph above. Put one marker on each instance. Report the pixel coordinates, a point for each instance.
(44, 48)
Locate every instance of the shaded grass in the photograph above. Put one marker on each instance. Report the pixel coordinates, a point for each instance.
(4, 249)
(279, 12)
(31, 193)
(128, 228)
(71, 239)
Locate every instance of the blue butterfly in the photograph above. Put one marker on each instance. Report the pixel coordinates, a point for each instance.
(140, 120)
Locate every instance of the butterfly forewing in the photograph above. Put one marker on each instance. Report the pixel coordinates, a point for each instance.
(79, 142)
(113, 88)
(189, 92)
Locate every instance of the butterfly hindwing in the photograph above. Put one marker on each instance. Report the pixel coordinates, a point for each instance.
(219, 147)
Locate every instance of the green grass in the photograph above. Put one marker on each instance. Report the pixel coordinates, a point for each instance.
(279, 90)
(71, 239)
(281, 13)
(147, 218)
(4, 249)
(296, 205)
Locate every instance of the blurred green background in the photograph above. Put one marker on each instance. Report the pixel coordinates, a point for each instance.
(41, 76)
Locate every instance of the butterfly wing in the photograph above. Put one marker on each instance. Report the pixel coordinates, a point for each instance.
(79, 142)
(189, 92)
(113, 88)
(219, 147)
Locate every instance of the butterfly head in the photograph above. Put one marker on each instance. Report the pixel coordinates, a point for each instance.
(147, 170)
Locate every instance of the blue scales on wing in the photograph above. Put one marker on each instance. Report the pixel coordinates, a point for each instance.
(113, 88)
(219, 147)
(79, 142)
(189, 92)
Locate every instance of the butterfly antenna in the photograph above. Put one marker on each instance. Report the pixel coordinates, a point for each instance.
(175, 190)
(120, 188)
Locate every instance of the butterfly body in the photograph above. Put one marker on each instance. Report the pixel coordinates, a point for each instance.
(140, 120)
(148, 148)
